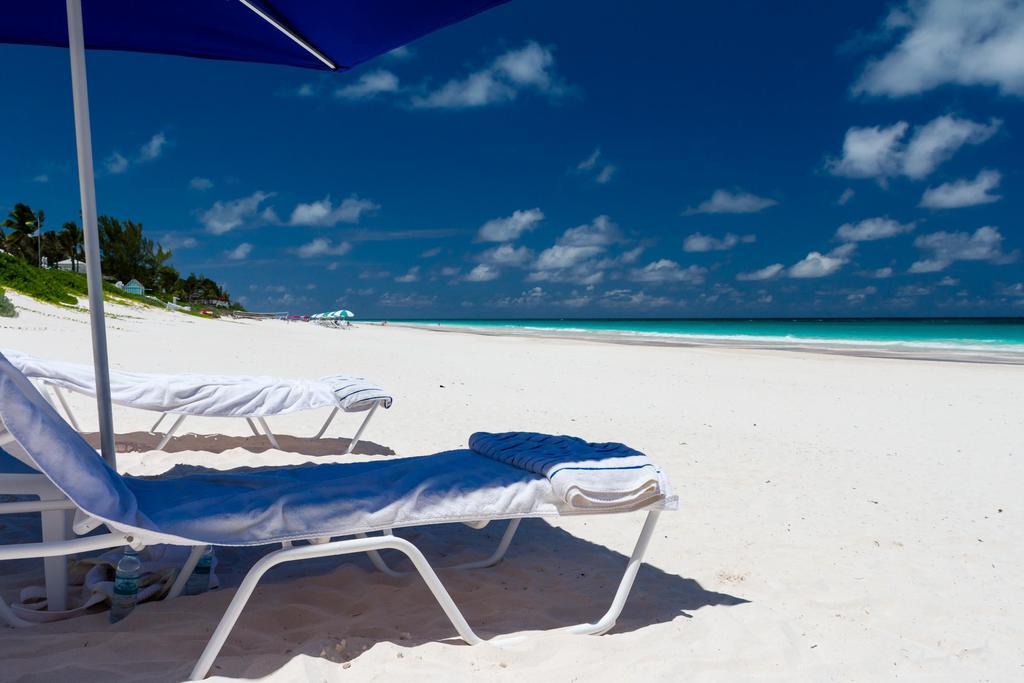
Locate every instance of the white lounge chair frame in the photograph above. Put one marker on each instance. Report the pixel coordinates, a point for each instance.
(55, 511)
(57, 393)
(324, 547)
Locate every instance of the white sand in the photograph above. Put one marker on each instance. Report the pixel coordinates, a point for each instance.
(840, 516)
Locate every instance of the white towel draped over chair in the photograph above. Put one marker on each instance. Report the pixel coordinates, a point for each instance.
(320, 503)
(253, 398)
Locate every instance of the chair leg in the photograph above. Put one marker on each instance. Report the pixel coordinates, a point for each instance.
(55, 569)
(157, 424)
(186, 571)
(8, 616)
(170, 432)
(330, 418)
(378, 561)
(606, 622)
(346, 547)
(64, 404)
(426, 572)
(270, 434)
(362, 427)
(499, 552)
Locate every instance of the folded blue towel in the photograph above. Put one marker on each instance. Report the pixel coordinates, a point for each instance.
(587, 476)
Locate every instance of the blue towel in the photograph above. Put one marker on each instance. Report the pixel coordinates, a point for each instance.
(587, 476)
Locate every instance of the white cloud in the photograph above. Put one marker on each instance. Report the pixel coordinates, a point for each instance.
(397, 300)
(601, 232)
(530, 67)
(323, 213)
(511, 227)
(482, 273)
(912, 291)
(306, 90)
(856, 296)
(41, 178)
(411, 275)
(173, 240)
(401, 53)
(369, 86)
(1014, 290)
(573, 257)
(816, 264)
(531, 297)
(153, 148)
(323, 247)
(632, 255)
(239, 253)
(590, 162)
(200, 184)
(430, 253)
(880, 273)
(724, 201)
(619, 298)
(873, 152)
(845, 197)
(985, 244)
(698, 242)
(964, 192)
(601, 172)
(766, 273)
(939, 139)
(665, 270)
(506, 255)
(450, 271)
(561, 256)
(116, 163)
(962, 42)
(225, 216)
(882, 152)
(872, 229)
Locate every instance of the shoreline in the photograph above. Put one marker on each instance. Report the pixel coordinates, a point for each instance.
(854, 348)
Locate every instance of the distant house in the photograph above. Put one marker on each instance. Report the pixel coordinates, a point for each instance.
(134, 287)
(71, 266)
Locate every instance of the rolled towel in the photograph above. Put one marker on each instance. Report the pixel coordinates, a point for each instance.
(587, 476)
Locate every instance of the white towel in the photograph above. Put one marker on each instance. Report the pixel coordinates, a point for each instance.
(587, 476)
(208, 395)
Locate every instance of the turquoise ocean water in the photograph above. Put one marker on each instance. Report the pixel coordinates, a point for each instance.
(1002, 334)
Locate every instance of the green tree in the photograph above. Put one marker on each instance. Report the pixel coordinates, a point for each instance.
(52, 249)
(22, 221)
(70, 238)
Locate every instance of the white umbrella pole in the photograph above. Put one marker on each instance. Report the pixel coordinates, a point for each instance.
(87, 188)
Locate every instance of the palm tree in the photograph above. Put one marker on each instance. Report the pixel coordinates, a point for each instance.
(70, 241)
(22, 222)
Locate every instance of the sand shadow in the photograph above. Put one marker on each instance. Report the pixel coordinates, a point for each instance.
(550, 578)
(142, 442)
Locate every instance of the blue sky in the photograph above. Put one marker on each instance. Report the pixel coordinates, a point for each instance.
(570, 159)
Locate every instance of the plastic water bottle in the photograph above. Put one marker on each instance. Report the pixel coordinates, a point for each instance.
(126, 586)
(199, 582)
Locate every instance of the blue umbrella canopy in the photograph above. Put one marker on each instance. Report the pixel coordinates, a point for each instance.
(332, 35)
(315, 34)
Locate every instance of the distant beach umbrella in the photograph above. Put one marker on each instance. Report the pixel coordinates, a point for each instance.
(333, 35)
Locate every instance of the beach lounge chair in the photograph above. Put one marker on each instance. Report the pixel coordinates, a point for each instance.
(500, 477)
(252, 398)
